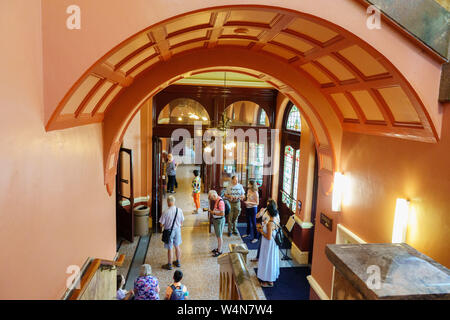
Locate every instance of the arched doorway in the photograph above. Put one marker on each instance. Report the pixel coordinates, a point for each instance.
(326, 59)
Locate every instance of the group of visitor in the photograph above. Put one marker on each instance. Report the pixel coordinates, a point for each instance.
(227, 208)
(146, 287)
(268, 252)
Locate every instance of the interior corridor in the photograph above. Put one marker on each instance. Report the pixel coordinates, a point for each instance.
(337, 111)
(200, 269)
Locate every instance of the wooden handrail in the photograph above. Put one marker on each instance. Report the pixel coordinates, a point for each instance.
(90, 272)
(86, 279)
(117, 262)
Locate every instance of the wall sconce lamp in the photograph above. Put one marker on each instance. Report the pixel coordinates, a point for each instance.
(338, 191)
(400, 221)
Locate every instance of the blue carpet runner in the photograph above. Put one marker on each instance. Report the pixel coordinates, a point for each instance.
(247, 240)
(291, 285)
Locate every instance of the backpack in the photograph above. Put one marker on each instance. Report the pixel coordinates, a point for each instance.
(227, 203)
(227, 207)
(177, 293)
(279, 236)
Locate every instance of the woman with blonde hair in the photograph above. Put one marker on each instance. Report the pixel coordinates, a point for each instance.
(251, 210)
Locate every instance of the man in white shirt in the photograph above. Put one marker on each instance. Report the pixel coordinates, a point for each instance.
(234, 194)
(172, 216)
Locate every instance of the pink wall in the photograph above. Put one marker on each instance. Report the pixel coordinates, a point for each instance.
(54, 209)
(132, 140)
(380, 171)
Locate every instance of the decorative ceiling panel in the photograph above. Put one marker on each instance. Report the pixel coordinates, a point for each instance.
(365, 90)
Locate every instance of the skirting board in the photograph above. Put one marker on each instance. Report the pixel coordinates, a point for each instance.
(317, 288)
(301, 257)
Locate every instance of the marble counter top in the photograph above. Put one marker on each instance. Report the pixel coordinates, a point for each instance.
(404, 272)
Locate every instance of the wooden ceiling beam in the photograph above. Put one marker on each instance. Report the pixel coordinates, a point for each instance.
(336, 45)
(100, 102)
(132, 55)
(366, 85)
(106, 71)
(218, 19)
(280, 23)
(382, 105)
(356, 107)
(88, 98)
(159, 36)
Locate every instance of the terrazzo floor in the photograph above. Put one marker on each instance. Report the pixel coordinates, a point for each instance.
(200, 269)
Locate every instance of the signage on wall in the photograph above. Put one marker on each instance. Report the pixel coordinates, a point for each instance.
(326, 221)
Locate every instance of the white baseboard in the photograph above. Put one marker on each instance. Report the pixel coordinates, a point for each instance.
(317, 288)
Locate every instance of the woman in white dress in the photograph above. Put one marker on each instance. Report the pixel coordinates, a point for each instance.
(269, 259)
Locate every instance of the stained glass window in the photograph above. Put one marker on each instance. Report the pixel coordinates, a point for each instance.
(297, 166)
(294, 120)
(287, 170)
(256, 162)
(262, 117)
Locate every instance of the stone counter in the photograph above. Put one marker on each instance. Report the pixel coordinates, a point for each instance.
(386, 271)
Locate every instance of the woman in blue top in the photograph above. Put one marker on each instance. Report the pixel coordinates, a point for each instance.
(269, 258)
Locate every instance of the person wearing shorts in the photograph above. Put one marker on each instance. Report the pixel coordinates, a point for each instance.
(166, 221)
(234, 193)
(218, 215)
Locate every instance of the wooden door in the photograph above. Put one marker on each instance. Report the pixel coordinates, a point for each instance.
(124, 191)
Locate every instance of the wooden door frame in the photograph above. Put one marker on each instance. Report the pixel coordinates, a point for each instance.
(124, 215)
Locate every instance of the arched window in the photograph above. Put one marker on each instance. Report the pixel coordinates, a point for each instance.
(246, 113)
(183, 111)
(294, 122)
(290, 177)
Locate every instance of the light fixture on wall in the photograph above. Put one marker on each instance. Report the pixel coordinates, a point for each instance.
(338, 191)
(400, 221)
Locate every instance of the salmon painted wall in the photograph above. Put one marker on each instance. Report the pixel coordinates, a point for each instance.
(132, 140)
(380, 170)
(54, 209)
(138, 138)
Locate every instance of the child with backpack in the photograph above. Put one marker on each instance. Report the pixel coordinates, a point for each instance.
(177, 291)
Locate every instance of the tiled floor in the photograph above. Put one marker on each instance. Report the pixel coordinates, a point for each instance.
(200, 269)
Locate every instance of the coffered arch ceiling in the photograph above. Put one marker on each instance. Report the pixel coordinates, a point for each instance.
(364, 92)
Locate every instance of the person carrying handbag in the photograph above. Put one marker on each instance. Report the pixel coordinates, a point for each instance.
(171, 221)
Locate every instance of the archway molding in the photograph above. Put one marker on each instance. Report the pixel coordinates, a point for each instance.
(293, 84)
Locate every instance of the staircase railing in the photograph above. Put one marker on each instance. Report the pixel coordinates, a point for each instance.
(86, 280)
(235, 279)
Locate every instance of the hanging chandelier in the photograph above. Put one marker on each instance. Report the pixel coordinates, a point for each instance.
(224, 123)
